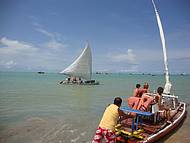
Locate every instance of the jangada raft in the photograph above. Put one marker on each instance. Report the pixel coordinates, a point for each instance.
(145, 128)
(80, 71)
(151, 125)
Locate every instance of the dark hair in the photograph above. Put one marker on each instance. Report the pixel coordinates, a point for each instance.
(138, 85)
(160, 90)
(118, 101)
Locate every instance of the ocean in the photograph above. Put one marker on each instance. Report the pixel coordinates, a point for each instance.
(35, 108)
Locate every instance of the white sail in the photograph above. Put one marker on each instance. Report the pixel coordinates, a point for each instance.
(168, 85)
(82, 66)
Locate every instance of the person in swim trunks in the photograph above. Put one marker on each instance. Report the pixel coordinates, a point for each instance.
(106, 129)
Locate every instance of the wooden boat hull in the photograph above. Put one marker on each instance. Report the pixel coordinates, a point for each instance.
(96, 83)
(153, 132)
(169, 128)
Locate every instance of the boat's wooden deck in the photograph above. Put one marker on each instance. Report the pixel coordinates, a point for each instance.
(149, 127)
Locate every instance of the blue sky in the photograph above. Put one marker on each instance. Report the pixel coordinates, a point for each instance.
(47, 35)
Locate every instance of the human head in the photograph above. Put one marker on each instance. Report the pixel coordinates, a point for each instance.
(160, 90)
(138, 85)
(118, 101)
(146, 86)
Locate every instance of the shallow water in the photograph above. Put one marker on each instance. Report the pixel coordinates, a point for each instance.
(34, 108)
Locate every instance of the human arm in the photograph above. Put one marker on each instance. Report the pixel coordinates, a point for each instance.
(124, 115)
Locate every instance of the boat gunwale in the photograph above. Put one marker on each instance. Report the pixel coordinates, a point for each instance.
(165, 131)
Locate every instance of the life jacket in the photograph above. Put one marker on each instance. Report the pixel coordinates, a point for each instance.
(145, 102)
(133, 102)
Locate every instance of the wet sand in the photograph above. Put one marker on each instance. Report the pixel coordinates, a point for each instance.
(39, 130)
(42, 130)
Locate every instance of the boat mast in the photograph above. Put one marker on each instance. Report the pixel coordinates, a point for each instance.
(168, 84)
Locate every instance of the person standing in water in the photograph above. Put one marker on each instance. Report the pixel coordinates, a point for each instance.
(108, 122)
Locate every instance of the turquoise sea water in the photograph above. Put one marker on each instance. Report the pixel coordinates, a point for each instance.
(34, 108)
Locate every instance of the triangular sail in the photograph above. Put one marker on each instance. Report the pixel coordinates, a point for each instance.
(82, 66)
(168, 85)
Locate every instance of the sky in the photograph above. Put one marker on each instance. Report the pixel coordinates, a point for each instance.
(48, 35)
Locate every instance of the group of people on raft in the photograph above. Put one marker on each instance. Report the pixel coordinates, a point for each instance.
(141, 100)
(72, 80)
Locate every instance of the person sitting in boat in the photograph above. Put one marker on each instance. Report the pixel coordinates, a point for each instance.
(164, 111)
(145, 88)
(73, 80)
(68, 80)
(133, 102)
(145, 102)
(158, 96)
(137, 90)
(79, 81)
(108, 122)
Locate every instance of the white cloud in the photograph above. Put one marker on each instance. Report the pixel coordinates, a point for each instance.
(45, 32)
(21, 55)
(13, 52)
(47, 55)
(54, 44)
(128, 57)
(54, 41)
(119, 61)
(14, 47)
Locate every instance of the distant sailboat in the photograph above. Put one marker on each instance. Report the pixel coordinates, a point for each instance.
(80, 69)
